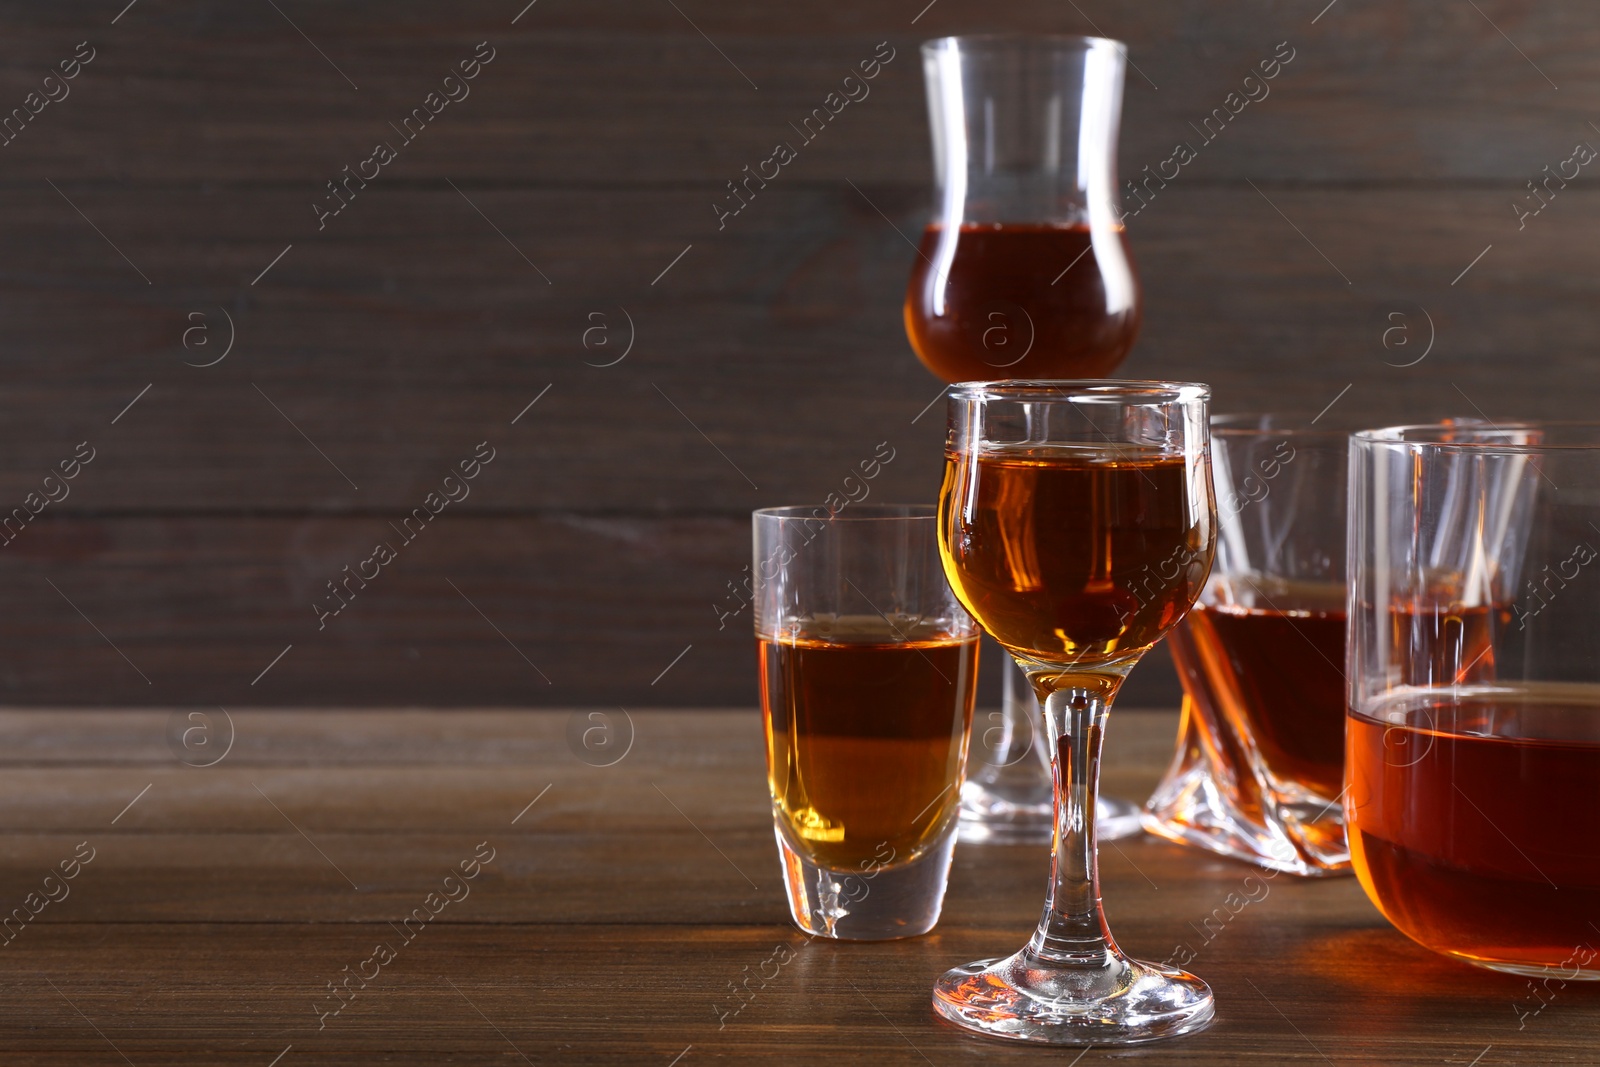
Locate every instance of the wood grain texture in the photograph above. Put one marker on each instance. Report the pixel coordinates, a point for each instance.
(526, 608)
(533, 611)
(1366, 202)
(607, 927)
(625, 92)
(779, 343)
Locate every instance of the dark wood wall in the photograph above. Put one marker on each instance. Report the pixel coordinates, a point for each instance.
(457, 286)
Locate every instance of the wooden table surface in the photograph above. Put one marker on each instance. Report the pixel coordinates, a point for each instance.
(619, 907)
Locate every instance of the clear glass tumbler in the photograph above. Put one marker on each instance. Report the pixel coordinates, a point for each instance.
(1058, 497)
(869, 666)
(1473, 739)
(1259, 769)
(1023, 271)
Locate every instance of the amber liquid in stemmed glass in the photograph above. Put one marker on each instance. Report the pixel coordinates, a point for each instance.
(1057, 544)
(865, 728)
(1022, 300)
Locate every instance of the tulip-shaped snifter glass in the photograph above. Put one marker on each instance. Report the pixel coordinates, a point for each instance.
(1023, 271)
(1077, 525)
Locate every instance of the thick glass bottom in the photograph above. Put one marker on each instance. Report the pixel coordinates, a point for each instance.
(1243, 814)
(1532, 970)
(874, 903)
(1125, 1002)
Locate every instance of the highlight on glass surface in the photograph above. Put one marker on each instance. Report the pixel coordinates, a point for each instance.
(1259, 768)
(869, 667)
(1023, 271)
(1474, 722)
(1077, 526)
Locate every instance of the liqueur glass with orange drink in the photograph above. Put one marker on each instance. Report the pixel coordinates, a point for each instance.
(1023, 272)
(869, 666)
(1059, 497)
(1473, 740)
(1259, 767)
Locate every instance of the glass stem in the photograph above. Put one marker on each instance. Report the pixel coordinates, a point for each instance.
(1072, 930)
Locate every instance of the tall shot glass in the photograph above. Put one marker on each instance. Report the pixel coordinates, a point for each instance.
(869, 667)
(1473, 740)
(1057, 496)
(1259, 768)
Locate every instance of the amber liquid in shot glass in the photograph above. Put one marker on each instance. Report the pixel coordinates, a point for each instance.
(865, 728)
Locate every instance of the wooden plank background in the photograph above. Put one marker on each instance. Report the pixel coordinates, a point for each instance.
(458, 285)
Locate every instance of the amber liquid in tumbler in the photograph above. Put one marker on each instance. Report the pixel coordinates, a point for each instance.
(1022, 300)
(866, 729)
(1279, 673)
(1436, 644)
(1052, 548)
(1470, 822)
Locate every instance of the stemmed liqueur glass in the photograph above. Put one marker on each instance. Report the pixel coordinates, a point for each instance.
(1023, 272)
(1061, 499)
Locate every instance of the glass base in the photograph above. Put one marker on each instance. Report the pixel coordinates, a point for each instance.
(1243, 840)
(871, 903)
(1125, 1003)
(1561, 972)
(989, 818)
(1243, 813)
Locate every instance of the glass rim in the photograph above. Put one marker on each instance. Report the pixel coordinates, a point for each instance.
(1114, 390)
(1420, 437)
(850, 513)
(1059, 42)
(1220, 428)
